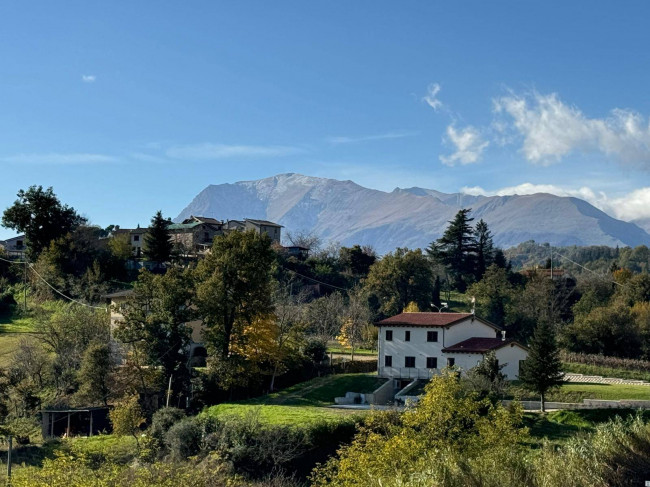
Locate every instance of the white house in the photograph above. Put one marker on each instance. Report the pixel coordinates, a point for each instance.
(418, 345)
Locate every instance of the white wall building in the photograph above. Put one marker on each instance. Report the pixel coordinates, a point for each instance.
(418, 345)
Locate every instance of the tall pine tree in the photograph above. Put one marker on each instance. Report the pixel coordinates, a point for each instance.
(157, 241)
(484, 248)
(456, 250)
(542, 370)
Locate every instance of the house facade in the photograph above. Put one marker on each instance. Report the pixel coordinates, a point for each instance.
(273, 230)
(14, 247)
(195, 234)
(418, 345)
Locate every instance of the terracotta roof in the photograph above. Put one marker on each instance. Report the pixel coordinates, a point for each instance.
(479, 345)
(424, 319)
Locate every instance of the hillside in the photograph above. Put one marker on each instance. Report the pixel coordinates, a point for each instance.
(346, 212)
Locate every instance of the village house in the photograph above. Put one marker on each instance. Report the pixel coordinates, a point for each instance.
(195, 234)
(136, 238)
(273, 230)
(418, 345)
(14, 247)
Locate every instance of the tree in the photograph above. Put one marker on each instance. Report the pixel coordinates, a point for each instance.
(542, 370)
(157, 241)
(127, 418)
(487, 377)
(399, 278)
(357, 260)
(41, 217)
(325, 316)
(448, 431)
(234, 287)
(493, 293)
(456, 249)
(66, 334)
(120, 246)
(484, 248)
(96, 367)
(357, 317)
(155, 322)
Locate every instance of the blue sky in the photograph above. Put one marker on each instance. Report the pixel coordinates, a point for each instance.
(130, 107)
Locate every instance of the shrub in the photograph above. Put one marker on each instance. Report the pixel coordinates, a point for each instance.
(184, 438)
(127, 418)
(162, 420)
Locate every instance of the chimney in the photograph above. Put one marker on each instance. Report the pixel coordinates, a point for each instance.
(503, 335)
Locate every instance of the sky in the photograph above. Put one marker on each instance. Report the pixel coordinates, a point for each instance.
(126, 108)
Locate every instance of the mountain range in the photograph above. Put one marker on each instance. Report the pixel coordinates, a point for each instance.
(345, 212)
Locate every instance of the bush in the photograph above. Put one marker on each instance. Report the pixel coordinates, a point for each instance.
(183, 439)
(162, 420)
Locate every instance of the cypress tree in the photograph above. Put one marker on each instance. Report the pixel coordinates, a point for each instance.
(542, 370)
(157, 241)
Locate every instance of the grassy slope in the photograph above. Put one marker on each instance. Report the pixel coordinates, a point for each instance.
(559, 426)
(577, 391)
(304, 402)
(606, 371)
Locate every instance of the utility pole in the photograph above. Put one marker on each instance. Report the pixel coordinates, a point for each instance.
(169, 391)
(10, 438)
(25, 285)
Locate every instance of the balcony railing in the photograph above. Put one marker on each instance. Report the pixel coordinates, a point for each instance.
(406, 373)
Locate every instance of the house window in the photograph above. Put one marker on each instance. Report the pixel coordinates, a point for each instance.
(389, 335)
(409, 362)
(451, 361)
(432, 336)
(206, 236)
(19, 244)
(432, 362)
(388, 360)
(407, 336)
(136, 238)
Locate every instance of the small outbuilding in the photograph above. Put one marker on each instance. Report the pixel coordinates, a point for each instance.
(74, 422)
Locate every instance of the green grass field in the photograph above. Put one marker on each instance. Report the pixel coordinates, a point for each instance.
(559, 426)
(605, 371)
(305, 402)
(577, 391)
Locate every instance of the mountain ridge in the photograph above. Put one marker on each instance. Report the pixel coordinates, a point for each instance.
(346, 212)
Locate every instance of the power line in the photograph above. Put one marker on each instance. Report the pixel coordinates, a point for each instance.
(585, 268)
(14, 261)
(315, 280)
(31, 267)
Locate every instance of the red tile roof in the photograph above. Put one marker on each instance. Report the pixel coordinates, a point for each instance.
(424, 319)
(478, 345)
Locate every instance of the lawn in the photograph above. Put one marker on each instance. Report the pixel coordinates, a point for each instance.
(283, 414)
(559, 426)
(586, 369)
(347, 351)
(305, 402)
(577, 391)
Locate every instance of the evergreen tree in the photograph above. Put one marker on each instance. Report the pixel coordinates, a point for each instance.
(484, 248)
(435, 299)
(456, 249)
(542, 370)
(157, 241)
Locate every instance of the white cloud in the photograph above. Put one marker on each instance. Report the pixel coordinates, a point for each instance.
(58, 158)
(223, 151)
(632, 206)
(469, 144)
(364, 138)
(432, 96)
(552, 130)
(88, 78)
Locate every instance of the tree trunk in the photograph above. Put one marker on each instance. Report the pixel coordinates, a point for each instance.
(543, 409)
(275, 371)
(352, 354)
